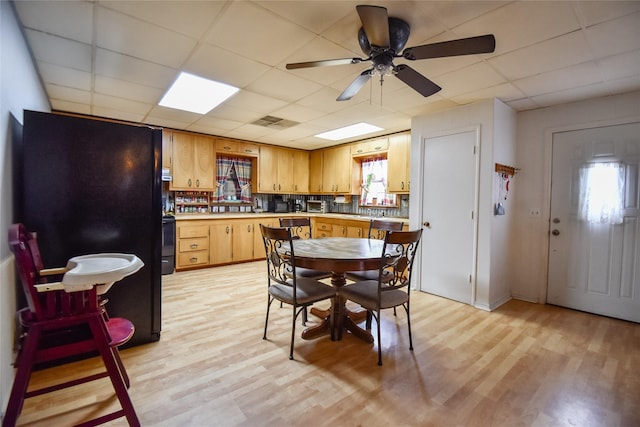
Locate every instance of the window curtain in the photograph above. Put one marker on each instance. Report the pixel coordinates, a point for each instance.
(223, 171)
(243, 171)
(602, 193)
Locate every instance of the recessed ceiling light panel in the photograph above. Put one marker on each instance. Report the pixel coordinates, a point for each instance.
(348, 131)
(196, 94)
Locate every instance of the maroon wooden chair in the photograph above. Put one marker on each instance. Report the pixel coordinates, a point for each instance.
(57, 325)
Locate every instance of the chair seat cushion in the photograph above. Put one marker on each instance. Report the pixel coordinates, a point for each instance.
(368, 275)
(308, 291)
(365, 293)
(120, 330)
(309, 273)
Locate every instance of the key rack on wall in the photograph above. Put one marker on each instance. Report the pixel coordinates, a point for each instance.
(509, 170)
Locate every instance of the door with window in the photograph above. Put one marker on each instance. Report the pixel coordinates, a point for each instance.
(594, 246)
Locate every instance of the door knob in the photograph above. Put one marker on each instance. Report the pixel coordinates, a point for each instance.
(556, 232)
(427, 224)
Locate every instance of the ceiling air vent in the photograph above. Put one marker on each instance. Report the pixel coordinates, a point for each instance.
(274, 122)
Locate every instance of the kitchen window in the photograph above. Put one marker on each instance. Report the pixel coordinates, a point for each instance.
(374, 183)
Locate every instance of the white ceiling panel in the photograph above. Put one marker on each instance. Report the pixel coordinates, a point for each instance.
(69, 19)
(122, 33)
(60, 51)
(117, 58)
(257, 33)
(224, 66)
(191, 18)
(67, 77)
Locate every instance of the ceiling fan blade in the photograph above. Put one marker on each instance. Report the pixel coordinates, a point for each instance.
(416, 81)
(467, 46)
(355, 86)
(323, 63)
(375, 22)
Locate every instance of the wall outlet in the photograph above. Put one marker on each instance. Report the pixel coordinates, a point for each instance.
(534, 212)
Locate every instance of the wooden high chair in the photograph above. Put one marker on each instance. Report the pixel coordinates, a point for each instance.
(58, 324)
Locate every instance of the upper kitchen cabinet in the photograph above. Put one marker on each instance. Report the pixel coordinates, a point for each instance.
(283, 170)
(399, 159)
(240, 148)
(315, 172)
(370, 147)
(300, 171)
(338, 170)
(167, 150)
(193, 162)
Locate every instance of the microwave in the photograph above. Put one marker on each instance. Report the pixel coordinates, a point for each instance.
(278, 206)
(318, 206)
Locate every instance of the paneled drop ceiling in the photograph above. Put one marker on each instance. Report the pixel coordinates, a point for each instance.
(116, 59)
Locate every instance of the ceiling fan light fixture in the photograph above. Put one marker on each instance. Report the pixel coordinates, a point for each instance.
(349, 131)
(196, 94)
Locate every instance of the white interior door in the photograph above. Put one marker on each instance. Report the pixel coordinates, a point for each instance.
(594, 253)
(449, 200)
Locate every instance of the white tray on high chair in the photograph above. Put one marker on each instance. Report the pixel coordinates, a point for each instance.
(101, 270)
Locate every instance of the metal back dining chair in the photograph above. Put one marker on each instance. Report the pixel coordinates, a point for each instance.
(397, 258)
(299, 292)
(301, 229)
(377, 230)
(57, 325)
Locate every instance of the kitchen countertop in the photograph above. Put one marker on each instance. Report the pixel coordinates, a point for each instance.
(244, 215)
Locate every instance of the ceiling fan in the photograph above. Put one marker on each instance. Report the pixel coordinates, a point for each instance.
(382, 38)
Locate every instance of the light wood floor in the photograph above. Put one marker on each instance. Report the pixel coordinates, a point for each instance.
(521, 365)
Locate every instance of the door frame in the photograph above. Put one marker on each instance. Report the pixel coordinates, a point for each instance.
(419, 200)
(548, 166)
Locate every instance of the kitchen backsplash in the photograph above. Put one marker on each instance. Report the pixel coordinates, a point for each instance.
(350, 207)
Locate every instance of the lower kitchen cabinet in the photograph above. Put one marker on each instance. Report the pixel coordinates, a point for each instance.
(192, 246)
(242, 241)
(211, 242)
(221, 240)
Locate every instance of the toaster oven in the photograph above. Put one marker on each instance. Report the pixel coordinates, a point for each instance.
(317, 206)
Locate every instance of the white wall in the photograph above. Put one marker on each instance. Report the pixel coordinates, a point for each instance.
(21, 89)
(497, 138)
(534, 133)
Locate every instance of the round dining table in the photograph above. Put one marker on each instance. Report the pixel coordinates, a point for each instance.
(338, 255)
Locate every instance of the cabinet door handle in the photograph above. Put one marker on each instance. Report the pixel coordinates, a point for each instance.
(402, 185)
(189, 182)
(379, 147)
(274, 187)
(193, 259)
(194, 246)
(249, 228)
(226, 148)
(197, 183)
(227, 229)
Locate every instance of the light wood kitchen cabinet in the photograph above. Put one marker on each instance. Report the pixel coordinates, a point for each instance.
(315, 172)
(398, 166)
(167, 149)
(241, 148)
(338, 230)
(193, 160)
(370, 147)
(192, 244)
(275, 170)
(258, 244)
(323, 229)
(300, 171)
(221, 235)
(357, 232)
(337, 170)
(243, 243)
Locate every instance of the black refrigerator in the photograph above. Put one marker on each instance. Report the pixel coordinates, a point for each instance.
(91, 186)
